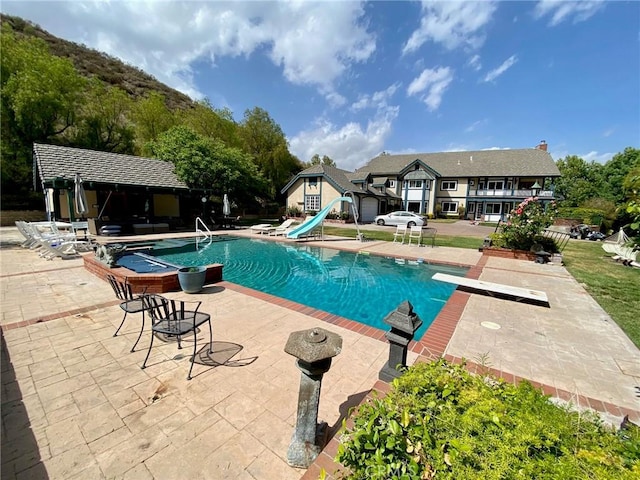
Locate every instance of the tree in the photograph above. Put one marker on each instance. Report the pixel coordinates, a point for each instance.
(264, 140)
(615, 172)
(103, 120)
(40, 94)
(151, 117)
(631, 186)
(209, 164)
(212, 123)
(325, 160)
(579, 182)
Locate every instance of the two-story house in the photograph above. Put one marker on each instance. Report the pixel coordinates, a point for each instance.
(484, 184)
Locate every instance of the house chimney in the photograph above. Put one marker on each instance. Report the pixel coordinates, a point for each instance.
(542, 145)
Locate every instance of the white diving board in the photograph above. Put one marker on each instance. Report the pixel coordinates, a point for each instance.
(495, 289)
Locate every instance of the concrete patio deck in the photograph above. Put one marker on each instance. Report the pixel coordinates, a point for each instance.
(75, 403)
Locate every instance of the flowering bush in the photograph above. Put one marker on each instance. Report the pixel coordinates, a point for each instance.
(525, 224)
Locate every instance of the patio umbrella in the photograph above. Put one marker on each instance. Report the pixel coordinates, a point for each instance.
(226, 206)
(81, 197)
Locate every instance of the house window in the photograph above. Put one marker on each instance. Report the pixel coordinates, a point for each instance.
(472, 208)
(493, 208)
(415, 183)
(450, 185)
(313, 181)
(392, 184)
(312, 203)
(509, 185)
(495, 185)
(449, 207)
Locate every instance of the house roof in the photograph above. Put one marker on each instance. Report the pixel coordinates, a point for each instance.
(418, 175)
(335, 176)
(56, 162)
(481, 163)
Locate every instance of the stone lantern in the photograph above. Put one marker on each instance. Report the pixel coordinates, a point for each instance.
(314, 350)
(404, 324)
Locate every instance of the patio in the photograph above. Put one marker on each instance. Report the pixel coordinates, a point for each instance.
(75, 403)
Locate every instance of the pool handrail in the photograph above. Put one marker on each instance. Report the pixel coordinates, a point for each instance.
(205, 233)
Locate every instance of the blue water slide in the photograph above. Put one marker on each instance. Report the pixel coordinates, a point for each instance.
(309, 225)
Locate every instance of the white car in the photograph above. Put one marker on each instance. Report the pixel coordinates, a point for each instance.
(401, 218)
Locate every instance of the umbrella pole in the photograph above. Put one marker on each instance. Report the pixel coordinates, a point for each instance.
(71, 205)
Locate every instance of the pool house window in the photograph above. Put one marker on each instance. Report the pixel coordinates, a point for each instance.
(450, 185)
(449, 207)
(312, 203)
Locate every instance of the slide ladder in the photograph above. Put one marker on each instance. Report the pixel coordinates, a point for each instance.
(316, 221)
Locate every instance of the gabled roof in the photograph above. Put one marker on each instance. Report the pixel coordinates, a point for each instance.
(480, 163)
(335, 176)
(56, 162)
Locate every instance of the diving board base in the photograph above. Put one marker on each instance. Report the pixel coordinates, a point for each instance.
(498, 290)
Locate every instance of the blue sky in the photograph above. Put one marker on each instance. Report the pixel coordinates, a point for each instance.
(351, 79)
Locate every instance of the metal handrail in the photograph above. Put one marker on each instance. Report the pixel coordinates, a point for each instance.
(205, 233)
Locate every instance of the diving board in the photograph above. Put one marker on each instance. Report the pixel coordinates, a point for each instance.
(499, 290)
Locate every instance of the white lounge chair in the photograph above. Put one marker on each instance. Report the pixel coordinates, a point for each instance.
(282, 228)
(261, 228)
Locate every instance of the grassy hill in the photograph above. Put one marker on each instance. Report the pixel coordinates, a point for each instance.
(92, 63)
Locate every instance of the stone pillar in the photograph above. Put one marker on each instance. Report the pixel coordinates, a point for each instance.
(404, 324)
(314, 350)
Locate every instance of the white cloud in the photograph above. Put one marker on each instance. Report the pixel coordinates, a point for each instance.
(452, 24)
(378, 100)
(435, 82)
(608, 132)
(474, 62)
(561, 10)
(496, 72)
(350, 146)
(314, 43)
(594, 156)
(474, 126)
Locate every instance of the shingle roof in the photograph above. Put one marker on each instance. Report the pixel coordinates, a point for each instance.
(335, 175)
(102, 167)
(481, 163)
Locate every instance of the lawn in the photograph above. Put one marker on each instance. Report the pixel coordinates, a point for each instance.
(615, 287)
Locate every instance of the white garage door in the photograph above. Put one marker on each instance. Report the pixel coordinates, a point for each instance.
(369, 210)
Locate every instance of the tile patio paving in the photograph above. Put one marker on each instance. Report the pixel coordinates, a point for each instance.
(75, 403)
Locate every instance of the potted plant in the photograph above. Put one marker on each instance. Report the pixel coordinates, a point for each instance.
(192, 279)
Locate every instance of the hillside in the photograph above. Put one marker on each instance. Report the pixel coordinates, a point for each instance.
(91, 63)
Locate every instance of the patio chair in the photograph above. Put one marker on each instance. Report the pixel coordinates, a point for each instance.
(261, 228)
(401, 231)
(282, 228)
(415, 232)
(130, 303)
(429, 234)
(176, 318)
(49, 251)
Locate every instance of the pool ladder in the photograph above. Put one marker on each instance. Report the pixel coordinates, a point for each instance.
(206, 233)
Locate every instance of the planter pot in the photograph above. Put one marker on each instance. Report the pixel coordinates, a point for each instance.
(192, 279)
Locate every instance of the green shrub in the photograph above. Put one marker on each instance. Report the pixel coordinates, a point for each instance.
(294, 212)
(439, 421)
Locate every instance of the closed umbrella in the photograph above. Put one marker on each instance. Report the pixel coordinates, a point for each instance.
(226, 206)
(81, 197)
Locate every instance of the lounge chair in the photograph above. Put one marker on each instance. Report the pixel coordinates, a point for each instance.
(65, 251)
(282, 228)
(261, 228)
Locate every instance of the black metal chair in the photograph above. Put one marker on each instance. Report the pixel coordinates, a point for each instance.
(176, 318)
(130, 303)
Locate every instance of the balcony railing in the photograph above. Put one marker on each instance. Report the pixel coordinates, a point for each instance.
(509, 193)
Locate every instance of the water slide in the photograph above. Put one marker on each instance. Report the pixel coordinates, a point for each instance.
(309, 225)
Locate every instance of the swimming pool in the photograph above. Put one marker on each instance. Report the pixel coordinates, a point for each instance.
(364, 288)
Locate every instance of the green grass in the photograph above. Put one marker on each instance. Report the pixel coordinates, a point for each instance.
(615, 287)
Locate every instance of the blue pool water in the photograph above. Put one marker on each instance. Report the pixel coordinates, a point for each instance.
(364, 288)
